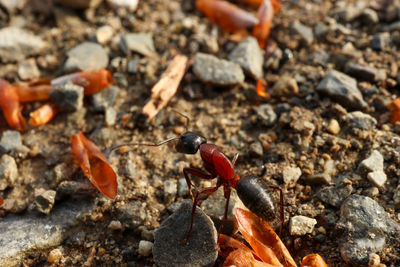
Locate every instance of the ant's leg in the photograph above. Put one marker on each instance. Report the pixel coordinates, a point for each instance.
(206, 191)
(197, 173)
(227, 194)
(281, 205)
(234, 159)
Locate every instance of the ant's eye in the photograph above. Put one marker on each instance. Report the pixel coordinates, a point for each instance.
(189, 143)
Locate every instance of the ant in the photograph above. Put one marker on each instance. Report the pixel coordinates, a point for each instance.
(251, 190)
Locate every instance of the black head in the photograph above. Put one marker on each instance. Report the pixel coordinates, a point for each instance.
(189, 143)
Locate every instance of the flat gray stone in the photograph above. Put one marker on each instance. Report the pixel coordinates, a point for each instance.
(68, 97)
(210, 69)
(343, 89)
(11, 142)
(21, 234)
(358, 119)
(249, 56)
(16, 44)
(28, 70)
(377, 178)
(361, 72)
(373, 163)
(8, 171)
(141, 43)
(335, 195)
(86, 56)
(201, 247)
(304, 31)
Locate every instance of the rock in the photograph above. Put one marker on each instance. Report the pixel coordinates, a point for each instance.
(68, 97)
(396, 196)
(377, 178)
(210, 69)
(145, 248)
(28, 70)
(115, 225)
(285, 86)
(110, 116)
(291, 175)
(170, 191)
(343, 89)
(249, 56)
(8, 171)
(76, 239)
(256, 150)
(319, 57)
(304, 31)
(104, 34)
(16, 44)
(80, 3)
(301, 225)
(380, 41)
(369, 17)
(205, 42)
(335, 195)
(374, 260)
(86, 56)
(22, 234)
(12, 5)
(360, 71)
(129, 4)
(132, 214)
(201, 247)
(105, 98)
(11, 142)
(141, 43)
(183, 189)
(266, 115)
(132, 66)
(333, 127)
(45, 201)
(75, 190)
(373, 163)
(358, 119)
(319, 178)
(55, 256)
(364, 228)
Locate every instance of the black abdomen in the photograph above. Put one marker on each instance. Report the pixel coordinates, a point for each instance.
(254, 195)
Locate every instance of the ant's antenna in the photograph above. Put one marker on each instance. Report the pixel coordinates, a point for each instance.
(186, 117)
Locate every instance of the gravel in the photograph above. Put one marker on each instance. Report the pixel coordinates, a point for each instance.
(358, 119)
(335, 195)
(141, 43)
(86, 56)
(68, 97)
(373, 163)
(145, 248)
(44, 202)
(305, 32)
(8, 171)
(170, 191)
(28, 70)
(11, 142)
(291, 175)
(266, 115)
(361, 72)
(301, 225)
(249, 56)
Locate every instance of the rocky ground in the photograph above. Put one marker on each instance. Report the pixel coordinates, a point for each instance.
(324, 135)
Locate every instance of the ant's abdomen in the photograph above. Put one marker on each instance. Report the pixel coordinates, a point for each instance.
(252, 191)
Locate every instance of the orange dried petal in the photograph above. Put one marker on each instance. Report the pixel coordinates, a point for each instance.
(28, 93)
(9, 103)
(43, 115)
(394, 107)
(94, 165)
(1, 201)
(265, 15)
(260, 88)
(242, 257)
(227, 244)
(313, 260)
(262, 238)
(256, 3)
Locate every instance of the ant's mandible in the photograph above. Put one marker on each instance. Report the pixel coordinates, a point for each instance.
(251, 190)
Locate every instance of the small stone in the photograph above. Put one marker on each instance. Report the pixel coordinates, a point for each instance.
(319, 57)
(285, 86)
(169, 250)
(80, 3)
(145, 248)
(380, 41)
(68, 97)
(249, 56)
(369, 17)
(115, 225)
(335, 195)
(55, 256)
(304, 31)
(170, 191)
(13, 5)
(319, 178)
(373, 163)
(11, 142)
(28, 70)
(104, 34)
(16, 44)
(183, 189)
(358, 119)
(45, 201)
(129, 4)
(141, 43)
(105, 98)
(75, 190)
(256, 150)
(210, 69)
(374, 260)
(343, 89)
(86, 56)
(377, 178)
(8, 171)
(362, 72)
(333, 127)
(110, 116)
(266, 115)
(301, 225)
(291, 175)
(132, 214)
(132, 66)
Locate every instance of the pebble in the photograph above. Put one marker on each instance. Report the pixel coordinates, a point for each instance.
(335, 195)
(68, 97)
(266, 115)
(369, 17)
(129, 4)
(28, 70)
(373, 163)
(285, 86)
(44, 202)
(219, 72)
(304, 31)
(361, 72)
(396, 196)
(115, 225)
(55, 256)
(128, 254)
(12, 5)
(358, 119)
(86, 56)
(141, 43)
(110, 116)
(380, 41)
(132, 214)
(8, 171)
(333, 127)
(132, 66)
(343, 89)
(256, 150)
(377, 178)
(104, 34)
(364, 228)
(249, 56)
(183, 189)
(374, 260)
(319, 57)
(145, 248)
(105, 98)
(301, 225)
(319, 178)
(170, 191)
(201, 247)
(75, 190)
(291, 175)
(16, 44)
(80, 3)
(76, 239)
(11, 142)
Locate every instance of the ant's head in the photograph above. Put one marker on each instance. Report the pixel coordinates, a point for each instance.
(189, 143)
